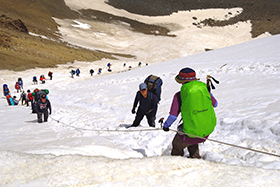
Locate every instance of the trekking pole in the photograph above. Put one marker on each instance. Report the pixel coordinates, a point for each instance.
(161, 121)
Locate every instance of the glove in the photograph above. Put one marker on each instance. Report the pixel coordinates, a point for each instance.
(166, 129)
(133, 111)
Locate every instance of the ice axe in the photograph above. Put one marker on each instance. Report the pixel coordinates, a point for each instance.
(209, 82)
(161, 121)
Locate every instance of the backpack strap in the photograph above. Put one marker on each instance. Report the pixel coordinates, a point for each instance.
(150, 96)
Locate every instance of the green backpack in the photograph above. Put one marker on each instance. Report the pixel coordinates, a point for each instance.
(197, 112)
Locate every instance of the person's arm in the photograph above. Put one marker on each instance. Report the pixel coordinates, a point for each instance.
(170, 120)
(50, 107)
(214, 100)
(136, 100)
(174, 111)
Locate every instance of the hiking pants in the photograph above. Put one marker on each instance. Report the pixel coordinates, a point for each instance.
(178, 147)
(39, 116)
(33, 106)
(139, 116)
(27, 102)
(23, 100)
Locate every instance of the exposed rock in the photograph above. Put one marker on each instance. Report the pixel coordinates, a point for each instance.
(14, 24)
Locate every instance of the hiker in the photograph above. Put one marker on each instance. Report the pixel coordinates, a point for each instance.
(99, 71)
(36, 96)
(139, 64)
(15, 100)
(78, 72)
(72, 73)
(33, 102)
(42, 106)
(23, 98)
(42, 79)
(35, 80)
(29, 98)
(20, 82)
(91, 71)
(196, 106)
(7, 94)
(37, 93)
(109, 65)
(50, 74)
(17, 87)
(6, 90)
(147, 107)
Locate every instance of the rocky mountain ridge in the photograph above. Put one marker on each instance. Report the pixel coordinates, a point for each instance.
(19, 50)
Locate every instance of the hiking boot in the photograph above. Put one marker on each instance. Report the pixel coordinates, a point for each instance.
(194, 151)
(197, 156)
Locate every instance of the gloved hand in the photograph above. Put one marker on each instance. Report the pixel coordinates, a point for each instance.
(166, 129)
(133, 111)
(161, 120)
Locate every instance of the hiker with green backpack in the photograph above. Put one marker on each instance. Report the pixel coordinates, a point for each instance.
(196, 105)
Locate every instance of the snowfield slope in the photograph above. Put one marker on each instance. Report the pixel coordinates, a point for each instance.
(80, 151)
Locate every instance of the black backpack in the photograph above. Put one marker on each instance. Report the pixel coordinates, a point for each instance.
(154, 84)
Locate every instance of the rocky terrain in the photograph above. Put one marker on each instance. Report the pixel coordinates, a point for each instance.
(20, 50)
(264, 15)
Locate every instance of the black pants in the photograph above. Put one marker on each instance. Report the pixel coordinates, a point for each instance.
(40, 114)
(139, 116)
(33, 106)
(23, 100)
(27, 102)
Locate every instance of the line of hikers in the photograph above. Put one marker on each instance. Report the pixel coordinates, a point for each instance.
(77, 72)
(194, 101)
(40, 104)
(37, 99)
(42, 78)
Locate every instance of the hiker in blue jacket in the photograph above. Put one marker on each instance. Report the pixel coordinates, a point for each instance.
(6, 90)
(147, 106)
(78, 72)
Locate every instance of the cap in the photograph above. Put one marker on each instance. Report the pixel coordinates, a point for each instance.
(186, 75)
(43, 96)
(143, 86)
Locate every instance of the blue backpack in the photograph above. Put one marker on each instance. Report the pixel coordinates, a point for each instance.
(154, 84)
